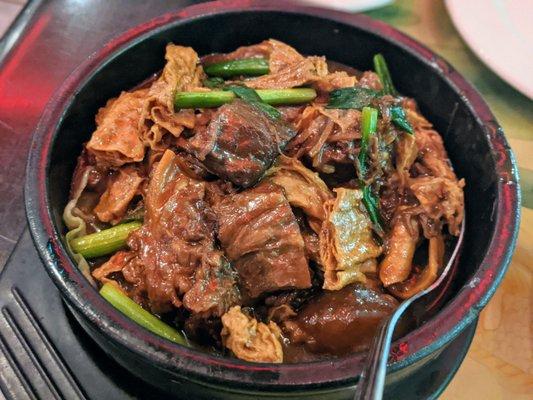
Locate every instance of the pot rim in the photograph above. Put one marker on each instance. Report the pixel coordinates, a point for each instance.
(211, 369)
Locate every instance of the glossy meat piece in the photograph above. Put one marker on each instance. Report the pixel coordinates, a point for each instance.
(173, 251)
(251, 340)
(214, 290)
(240, 143)
(121, 189)
(175, 238)
(346, 243)
(303, 188)
(117, 139)
(260, 235)
(339, 322)
(190, 166)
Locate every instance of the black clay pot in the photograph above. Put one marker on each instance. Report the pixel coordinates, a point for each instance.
(474, 140)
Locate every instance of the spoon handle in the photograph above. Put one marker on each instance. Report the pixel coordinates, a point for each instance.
(372, 380)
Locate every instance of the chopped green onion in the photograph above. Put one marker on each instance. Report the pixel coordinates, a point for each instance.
(369, 123)
(381, 68)
(216, 98)
(104, 242)
(280, 97)
(250, 96)
(138, 314)
(246, 66)
(352, 97)
(398, 118)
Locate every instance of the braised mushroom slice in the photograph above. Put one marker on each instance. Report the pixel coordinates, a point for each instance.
(340, 321)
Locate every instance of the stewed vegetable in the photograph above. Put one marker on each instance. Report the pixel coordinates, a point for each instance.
(216, 98)
(104, 242)
(132, 310)
(246, 66)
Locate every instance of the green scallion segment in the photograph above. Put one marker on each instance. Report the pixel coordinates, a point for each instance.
(250, 96)
(352, 97)
(372, 206)
(246, 67)
(138, 314)
(398, 118)
(280, 97)
(381, 68)
(216, 98)
(369, 123)
(104, 242)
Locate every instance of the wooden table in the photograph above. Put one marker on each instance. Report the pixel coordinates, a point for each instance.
(499, 364)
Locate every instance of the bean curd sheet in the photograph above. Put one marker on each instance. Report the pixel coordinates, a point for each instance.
(279, 232)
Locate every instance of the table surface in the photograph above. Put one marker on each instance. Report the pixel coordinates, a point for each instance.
(54, 36)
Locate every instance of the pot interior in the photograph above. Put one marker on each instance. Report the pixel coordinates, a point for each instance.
(465, 139)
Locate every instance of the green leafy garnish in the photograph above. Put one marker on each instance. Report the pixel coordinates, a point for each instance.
(381, 68)
(398, 118)
(132, 310)
(353, 97)
(250, 96)
(214, 82)
(371, 204)
(369, 123)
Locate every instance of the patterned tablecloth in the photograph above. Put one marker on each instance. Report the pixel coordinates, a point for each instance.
(499, 364)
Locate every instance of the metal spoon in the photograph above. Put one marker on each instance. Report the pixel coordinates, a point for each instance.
(372, 380)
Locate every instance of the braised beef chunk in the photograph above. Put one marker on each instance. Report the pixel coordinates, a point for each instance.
(173, 253)
(259, 233)
(214, 290)
(175, 239)
(240, 143)
(341, 321)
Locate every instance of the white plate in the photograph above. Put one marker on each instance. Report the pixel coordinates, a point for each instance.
(348, 5)
(500, 32)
